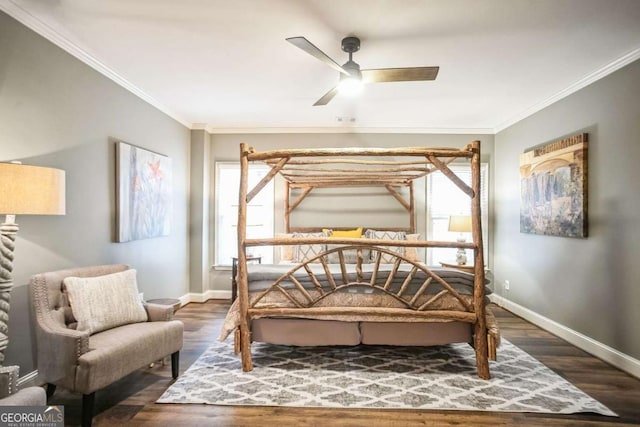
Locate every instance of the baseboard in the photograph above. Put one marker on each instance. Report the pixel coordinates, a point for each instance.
(608, 354)
(28, 380)
(205, 296)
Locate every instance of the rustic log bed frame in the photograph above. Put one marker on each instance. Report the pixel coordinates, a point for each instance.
(307, 169)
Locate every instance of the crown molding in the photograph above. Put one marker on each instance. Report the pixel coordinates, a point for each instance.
(582, 83)
(28, 20)
(408, 130)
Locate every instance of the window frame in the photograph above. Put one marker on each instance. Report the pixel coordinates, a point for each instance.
(457, 167)
(267, 256)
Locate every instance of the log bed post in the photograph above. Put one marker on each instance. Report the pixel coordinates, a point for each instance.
(287, 196)
(412, 209)
(243, 288)
(480, 327)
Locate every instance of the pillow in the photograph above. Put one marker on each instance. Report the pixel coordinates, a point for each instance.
(412, 253)
(303, 253)
(350, 255)
(387, 235)
(357, 233)
(286, 251)
(105, 302)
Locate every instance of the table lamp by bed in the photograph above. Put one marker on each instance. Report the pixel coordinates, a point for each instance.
(460, 224)
(24, 190)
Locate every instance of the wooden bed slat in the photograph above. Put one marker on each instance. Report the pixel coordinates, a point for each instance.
(376, 268)
(299, 200)
(301, 288)
(392, 274)
(359, 259)
(359, 152)
(328, 274)
(314, 279)
(373, 311)
(451, 175)
(421, 291)
(289, 297)
(357, 241)
(406, 282)
(343, 268)
(433, 299)
(398, 197)
(289, 169)
(265, 180)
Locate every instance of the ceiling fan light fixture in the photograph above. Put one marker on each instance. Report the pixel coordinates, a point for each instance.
(350, 86)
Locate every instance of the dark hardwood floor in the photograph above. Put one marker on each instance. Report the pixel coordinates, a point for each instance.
(131, 400)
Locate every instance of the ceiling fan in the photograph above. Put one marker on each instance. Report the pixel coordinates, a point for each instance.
(352, 77)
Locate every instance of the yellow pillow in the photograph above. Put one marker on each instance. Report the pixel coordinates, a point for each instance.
(357, 233)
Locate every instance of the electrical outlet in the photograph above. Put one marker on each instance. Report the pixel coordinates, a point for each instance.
(506, 285)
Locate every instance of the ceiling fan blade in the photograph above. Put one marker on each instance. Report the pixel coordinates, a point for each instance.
(327, 97)
(399, 74)
(311, 49)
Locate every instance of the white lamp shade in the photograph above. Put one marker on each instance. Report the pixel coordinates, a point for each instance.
(460, 223)
(31, 190)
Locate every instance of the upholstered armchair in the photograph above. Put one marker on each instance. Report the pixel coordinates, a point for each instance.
(92, 330)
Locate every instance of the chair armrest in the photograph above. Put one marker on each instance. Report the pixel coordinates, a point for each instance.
(159, 312)
(30, 396)
(8, 380)
(66, 344)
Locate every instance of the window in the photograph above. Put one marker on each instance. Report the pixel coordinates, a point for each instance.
(259, 212)
(444, 198)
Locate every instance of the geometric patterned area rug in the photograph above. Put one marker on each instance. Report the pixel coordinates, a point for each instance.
(439, 377)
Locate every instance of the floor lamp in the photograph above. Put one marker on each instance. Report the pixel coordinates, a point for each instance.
(24, 190)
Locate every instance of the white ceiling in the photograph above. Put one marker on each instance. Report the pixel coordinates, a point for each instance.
(224, 65)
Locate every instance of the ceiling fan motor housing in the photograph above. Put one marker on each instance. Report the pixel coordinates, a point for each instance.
(350, 44)
(353, 69)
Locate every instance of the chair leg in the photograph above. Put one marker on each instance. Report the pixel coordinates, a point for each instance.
(175, 364)
(87, 409)
(51, 388)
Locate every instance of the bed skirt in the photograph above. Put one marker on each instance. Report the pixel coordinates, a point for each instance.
(311, 332)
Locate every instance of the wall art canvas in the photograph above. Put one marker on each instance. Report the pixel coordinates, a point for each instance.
(553, 188)
(144, 193)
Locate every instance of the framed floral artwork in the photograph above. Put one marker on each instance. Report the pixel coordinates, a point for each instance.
(144, 193)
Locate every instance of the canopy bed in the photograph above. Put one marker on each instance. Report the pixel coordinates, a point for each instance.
(365, 285)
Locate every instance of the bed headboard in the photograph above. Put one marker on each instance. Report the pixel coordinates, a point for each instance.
(405, 198)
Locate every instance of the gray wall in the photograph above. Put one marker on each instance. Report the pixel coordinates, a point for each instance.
(589, 285)
(199, 218)
(226, 148)
(56, 111)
